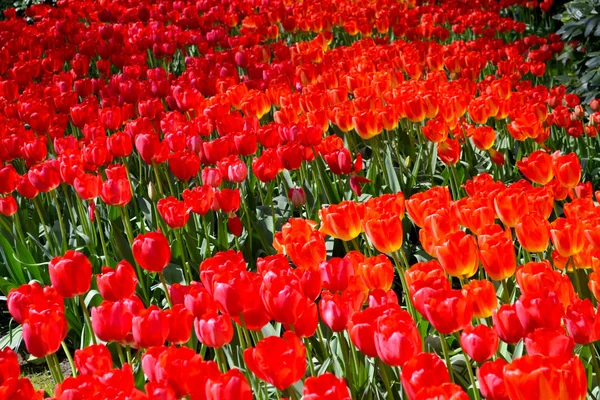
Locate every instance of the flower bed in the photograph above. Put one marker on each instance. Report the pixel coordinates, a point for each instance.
(325, 199)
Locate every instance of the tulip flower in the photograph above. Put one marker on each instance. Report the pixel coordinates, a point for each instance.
(71, 274)
(278, 361)
(327, 387)
(152, 251)
(118, 283)
(425, 370)
(479, 342)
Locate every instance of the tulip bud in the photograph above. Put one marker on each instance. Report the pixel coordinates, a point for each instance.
(595, 105)
(297, 197)
(152, 194)
(234, 224)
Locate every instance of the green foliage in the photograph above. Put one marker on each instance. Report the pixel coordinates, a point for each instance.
(581, 32)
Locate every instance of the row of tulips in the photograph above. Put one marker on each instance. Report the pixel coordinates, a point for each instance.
(206, 200)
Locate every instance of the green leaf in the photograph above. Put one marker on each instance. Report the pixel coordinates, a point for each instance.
(15, 269)
(391, 172)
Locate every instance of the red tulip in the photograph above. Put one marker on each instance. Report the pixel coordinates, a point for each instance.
(180, 324)
(396, 338)
(88, 186)
(230, 385)
(8, 179)
(325, 387)
(43, 331)
(214, 330)
(175, 213)
(20, 388)
(448, 311)
(278, 361)
(9, 365)
(150, 327)
(111, 321)
(118, 283)
(71, 274)
(152, 251)
(507, 324)
(8, 206)
(549, 343)
(479, 342)
(491, 380)
(199, 199)
(424, 370)
(93, 360)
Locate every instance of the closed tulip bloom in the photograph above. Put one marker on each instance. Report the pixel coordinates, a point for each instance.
(376, 272)
(583, 323)
(325, 387)
(567, 236)
(152, 251)
(88, 186)
(446, 391)
(425, 370)
(507, 324)
(117, 283)
(449, 151)
(119, 144)
(174, 212)
(230, 385)
(267, 166)
(8, 206)
(448, 311)
(491, 380)
(533, 232)
(45, 177)
(111, 321)
(537, 167)
(482, 295)
(341, 221)
(25, 188)
(227, 200)
(150, 328)
(20, 389)
(549, 343)
(337, 309)
(539, 311)
(510, 205)
(116, 190)
(458, 255)
(43, 331)
(214, 330)
(361, 328)
(9, 365)
(184, 164)
(180, 324)
(278, 361)
(497, 254)
(384, 231)
(297, 197)
(567, 170)
(93, 360)
(479, 342)
(71, 274)
(336, 273)
(8, 179)
(199, 199)
(397, 339)
(538, 377)
(199, 301)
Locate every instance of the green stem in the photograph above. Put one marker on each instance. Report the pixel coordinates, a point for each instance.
(446, 352)
(386, 380)
(61, 222)
(594, 360)
(164, 284)
(471, 376)
(158, 180)
(121, 355)
(101, 233)
(43, 222)
(88, 320)
(186, 266)
(70, 358)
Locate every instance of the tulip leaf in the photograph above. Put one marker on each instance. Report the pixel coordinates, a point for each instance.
(13, 338)
(26, 259)
(14, 267)
(174, 274)
(391, 172)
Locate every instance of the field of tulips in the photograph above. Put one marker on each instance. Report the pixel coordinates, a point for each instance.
(325, 199)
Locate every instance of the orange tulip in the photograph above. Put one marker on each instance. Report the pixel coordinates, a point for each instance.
(497, 254)
(482, 295)
(537, 167)
(510, 204)
(533, 232)
(458, 255)
(376, 272)
(341, 221)
(567, 236)
(420, 205)
(567, 170)
(384, 231)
